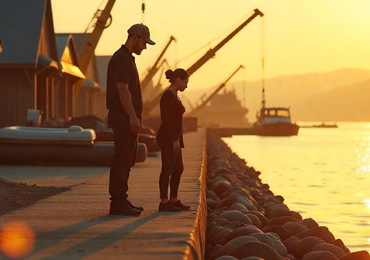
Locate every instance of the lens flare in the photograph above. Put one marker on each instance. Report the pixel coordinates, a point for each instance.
(16, 239)
(367, 202)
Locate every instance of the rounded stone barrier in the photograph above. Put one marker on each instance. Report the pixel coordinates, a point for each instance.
(282, 232)
(255, 249)
(278, 212)
(273, 241)
(234, 215)
(320, 232)
(255, 220)
(339, 242)
(229, 246)
(260, 216)
(360, 255)
(226, 257)
(281, 220)
(309, 223)
(240, 232)
(220, 235)
(214, 230)
(319, 255)
(237, 206)
(295, 227)
(212, 195)
(211, 203)
(335, 250)
(306, 245)
(221, 186)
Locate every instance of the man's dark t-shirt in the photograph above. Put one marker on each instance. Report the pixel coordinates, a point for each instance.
(122, 67)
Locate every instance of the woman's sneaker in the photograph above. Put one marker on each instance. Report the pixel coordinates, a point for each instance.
(180, 205)
(168, 207)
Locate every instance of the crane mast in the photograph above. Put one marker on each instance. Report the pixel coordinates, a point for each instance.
(206, 57)
(195, 111)
(154, 69)
(88, 50)
(90, 46)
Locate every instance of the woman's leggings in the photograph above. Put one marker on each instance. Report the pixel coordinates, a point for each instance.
(172, 168)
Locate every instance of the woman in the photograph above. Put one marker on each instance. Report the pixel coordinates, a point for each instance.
(170, 141)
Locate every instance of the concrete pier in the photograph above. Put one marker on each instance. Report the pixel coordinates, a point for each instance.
(75, 224)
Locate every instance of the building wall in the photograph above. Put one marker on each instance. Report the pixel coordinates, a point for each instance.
(98, 107)
(82, 103)
(17, 94)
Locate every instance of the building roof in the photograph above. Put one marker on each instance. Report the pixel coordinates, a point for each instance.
(21, 23)
(62, 42)
(80, 39)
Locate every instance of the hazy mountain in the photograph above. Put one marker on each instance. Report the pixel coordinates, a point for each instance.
(350, 103)
(303, 93)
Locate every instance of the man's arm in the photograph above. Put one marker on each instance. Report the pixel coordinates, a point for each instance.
(126, 102)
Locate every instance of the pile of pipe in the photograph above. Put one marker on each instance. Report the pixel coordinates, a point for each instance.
(247, 221)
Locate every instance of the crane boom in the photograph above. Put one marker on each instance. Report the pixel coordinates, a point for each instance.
(213, 51)
(195, 111)
(90, 46)
(154, 69)
(209, 54)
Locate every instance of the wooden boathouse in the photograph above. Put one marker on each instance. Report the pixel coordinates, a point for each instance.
(29, 63)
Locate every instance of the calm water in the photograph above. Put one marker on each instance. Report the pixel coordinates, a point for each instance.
(321, 173)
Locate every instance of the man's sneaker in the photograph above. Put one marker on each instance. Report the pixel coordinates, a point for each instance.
(180, 205)
(168, 207)
(124, 210)
(135, 207)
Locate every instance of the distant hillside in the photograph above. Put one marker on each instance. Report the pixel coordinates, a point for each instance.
(296, 90)
(350, 103)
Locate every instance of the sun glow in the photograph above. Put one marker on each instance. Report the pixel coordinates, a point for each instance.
(16, 239)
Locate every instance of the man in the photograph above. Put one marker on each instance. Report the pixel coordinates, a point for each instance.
(125, 105)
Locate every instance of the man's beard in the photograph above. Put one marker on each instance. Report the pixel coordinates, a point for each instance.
(137, 50)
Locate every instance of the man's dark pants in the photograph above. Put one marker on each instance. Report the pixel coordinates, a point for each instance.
(125, 145)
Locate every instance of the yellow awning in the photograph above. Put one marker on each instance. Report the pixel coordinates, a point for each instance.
(72, 70)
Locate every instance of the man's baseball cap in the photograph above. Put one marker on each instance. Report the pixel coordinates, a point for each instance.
(141, 30)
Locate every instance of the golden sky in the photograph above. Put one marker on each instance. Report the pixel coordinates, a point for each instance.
(299, 36)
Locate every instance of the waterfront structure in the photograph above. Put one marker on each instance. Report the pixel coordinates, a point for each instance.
(89, 96)
(28, 70)
(71, 73)
(224, 110)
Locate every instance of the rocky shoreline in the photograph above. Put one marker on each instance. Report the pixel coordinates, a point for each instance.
(247, 221)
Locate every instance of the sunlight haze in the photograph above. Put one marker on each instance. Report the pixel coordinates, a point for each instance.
(300, 36)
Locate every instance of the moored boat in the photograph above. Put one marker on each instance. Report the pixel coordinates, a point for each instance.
(275, 121)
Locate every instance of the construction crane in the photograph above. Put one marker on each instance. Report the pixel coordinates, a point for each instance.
(206, 57)
(104, 20)
(154, 69)
(195, 111)
(158, 87)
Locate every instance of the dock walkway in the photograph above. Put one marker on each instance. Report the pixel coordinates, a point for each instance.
(76, 225)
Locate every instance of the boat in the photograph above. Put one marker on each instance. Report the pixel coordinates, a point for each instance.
(57, 146)
(275, 121)
(322, 125)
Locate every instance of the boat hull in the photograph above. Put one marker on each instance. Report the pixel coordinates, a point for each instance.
(99, 154)
(278, 129)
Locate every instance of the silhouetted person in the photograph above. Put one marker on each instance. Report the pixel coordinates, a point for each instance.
(170, 141)
(125, 106)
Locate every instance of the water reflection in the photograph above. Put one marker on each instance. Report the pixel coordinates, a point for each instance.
(322, 173)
